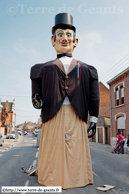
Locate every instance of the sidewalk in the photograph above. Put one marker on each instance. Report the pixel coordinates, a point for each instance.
(108, 149)
(11, 142)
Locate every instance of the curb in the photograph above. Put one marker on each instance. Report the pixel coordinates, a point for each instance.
(108, 149)
(19, 139)
(12, 144)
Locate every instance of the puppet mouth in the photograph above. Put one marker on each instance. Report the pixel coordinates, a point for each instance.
(64, 43)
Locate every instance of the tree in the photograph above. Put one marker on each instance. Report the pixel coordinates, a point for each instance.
(4, 116)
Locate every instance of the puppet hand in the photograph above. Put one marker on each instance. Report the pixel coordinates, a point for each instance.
(93, 128)
(37, 102)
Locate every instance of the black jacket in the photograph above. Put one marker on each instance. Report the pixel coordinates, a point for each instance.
(52, 84)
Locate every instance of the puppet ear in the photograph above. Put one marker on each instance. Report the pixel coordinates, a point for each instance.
(52, 40)
(76, 42)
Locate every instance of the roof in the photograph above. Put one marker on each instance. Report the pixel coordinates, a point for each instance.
(101, 85)
(118, 75)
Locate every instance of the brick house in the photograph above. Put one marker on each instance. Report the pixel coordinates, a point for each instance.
(9, 109)
(104, 107)
(1, 128)
(103, 124)
(27, 126)
(119, 100)
(30, 126)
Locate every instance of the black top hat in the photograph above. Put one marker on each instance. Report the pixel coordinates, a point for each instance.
(63, 19)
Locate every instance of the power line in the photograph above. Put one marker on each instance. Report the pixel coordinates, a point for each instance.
(23, 110)
(27, 116)
(115, 66)
(113, 73)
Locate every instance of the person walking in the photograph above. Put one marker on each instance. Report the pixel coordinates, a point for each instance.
(128, 143)
(121, 141)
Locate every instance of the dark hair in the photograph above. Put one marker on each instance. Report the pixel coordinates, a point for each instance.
(63, 27)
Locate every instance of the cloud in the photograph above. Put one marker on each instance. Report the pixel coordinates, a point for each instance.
(20, 82)
(103, 51)
(89, 42)
(27, 51)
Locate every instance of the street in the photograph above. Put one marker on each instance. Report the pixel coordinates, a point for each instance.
(109, 169)
(11, 160)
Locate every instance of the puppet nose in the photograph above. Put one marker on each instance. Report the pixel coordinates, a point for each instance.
(64, 39)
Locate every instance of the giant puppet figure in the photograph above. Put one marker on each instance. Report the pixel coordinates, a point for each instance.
(65, 89)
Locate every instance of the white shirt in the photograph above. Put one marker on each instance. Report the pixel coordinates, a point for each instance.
(66, 61)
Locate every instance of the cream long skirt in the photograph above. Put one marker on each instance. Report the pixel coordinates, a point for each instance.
(64, 156)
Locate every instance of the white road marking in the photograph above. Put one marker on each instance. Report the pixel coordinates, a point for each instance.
(34, 163)
(29, 144)
(26, 184)
(37, 153)
(95, 174)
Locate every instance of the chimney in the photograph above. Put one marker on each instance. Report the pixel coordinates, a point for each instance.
(6, 106)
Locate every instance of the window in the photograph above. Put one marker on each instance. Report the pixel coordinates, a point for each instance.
(117, 97)
(122, 132)
(119, 93)
(122, 94)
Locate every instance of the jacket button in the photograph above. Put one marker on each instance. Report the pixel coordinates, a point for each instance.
(66, 76)
(66, 87)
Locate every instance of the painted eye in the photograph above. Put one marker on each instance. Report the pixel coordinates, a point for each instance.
(68, 35)
(60, 35)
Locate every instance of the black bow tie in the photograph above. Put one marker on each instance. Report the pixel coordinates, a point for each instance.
(64, 54)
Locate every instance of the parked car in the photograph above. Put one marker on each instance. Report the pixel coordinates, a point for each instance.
(11, 135)
(1, 140)
(36, 132)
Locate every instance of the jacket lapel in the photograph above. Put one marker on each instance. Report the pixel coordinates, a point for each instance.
(72, 65)
(59, 64)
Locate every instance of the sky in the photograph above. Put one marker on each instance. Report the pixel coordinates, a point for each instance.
(25, 39)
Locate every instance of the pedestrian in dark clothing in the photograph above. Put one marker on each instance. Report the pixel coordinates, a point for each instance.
(128, 143)
(121, 141)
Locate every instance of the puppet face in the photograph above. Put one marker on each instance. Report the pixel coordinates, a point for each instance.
(64, 41)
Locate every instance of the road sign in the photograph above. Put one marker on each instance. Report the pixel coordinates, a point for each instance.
(10, 125)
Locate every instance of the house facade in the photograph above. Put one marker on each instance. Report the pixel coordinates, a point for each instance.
(27, 126)
(8, 116)
(1, 128)
(119, 104)
(103, 124)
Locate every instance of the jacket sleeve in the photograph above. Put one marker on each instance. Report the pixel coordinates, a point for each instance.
(35, 76)
(94, 92)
